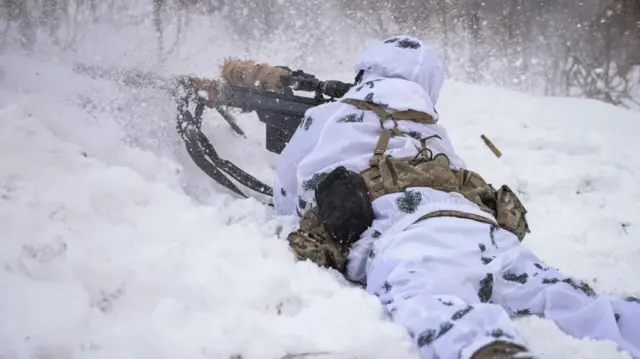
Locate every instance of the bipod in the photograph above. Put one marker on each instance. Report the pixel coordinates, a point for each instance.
(202, 152)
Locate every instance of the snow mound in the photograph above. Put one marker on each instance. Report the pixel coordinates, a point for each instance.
(100, 260)
(115, 246)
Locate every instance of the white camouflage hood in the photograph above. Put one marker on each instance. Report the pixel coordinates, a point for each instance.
(401, 72)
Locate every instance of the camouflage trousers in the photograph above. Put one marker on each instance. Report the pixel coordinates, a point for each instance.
(456, 284)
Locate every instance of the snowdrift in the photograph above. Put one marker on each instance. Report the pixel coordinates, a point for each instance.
(113, 245)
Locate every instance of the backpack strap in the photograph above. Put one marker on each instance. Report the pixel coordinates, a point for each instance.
(409, 115)
(372, 174)
(383, 114)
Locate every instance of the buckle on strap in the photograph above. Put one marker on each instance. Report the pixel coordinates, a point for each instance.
(381, 147)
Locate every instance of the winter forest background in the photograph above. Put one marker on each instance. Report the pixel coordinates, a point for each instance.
(551, 47)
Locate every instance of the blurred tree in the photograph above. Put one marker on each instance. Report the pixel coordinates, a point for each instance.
(581, 48)
(18, 13)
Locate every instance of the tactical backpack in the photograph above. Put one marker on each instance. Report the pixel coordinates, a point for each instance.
(391, 175)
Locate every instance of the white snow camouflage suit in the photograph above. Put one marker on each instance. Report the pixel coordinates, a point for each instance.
(453, 283)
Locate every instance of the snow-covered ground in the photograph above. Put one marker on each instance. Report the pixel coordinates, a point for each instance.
(114, 245)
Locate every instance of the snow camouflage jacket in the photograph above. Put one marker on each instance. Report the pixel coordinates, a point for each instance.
(400, 73)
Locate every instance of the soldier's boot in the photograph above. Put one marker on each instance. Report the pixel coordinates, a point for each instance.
(502, 350)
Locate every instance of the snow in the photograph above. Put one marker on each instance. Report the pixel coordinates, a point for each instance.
(114, 245)
(101, 261)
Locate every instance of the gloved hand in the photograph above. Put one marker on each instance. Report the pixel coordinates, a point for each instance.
(312, 242)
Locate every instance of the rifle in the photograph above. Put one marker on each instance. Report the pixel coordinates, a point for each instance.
(245, 85)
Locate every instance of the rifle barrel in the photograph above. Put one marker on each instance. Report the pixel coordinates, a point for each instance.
(255, 100)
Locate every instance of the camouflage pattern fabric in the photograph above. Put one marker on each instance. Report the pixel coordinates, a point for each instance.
(511, 214)
(312, 242)
(393, 175)
(502, 349)
(247, 73)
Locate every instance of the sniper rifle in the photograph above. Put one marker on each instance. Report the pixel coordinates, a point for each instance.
(246, 85)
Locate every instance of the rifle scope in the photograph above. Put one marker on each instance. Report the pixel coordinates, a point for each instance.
(306, 82)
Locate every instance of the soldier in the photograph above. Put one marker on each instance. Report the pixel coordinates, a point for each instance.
(385, 200)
